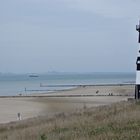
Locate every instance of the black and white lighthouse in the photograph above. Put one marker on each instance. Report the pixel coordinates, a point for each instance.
(137, 88)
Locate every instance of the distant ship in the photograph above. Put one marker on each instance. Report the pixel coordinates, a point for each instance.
(33, 75)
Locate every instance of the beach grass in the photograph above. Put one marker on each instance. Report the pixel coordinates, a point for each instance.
(117, 121)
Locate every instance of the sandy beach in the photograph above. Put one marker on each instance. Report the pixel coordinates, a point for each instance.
(62, 101)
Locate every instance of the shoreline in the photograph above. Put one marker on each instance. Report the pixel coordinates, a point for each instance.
(51, 94)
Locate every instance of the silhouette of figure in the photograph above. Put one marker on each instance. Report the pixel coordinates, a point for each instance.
(18, 116)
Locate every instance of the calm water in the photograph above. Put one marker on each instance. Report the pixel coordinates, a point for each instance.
(23, 84)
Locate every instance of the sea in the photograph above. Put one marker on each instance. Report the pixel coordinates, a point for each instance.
(24, 84)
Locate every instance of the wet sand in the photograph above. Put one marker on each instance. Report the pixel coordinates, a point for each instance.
(62, 101)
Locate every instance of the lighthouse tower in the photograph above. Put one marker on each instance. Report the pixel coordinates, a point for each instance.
(137, 88)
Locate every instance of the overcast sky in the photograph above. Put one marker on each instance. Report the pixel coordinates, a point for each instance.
(68, 35)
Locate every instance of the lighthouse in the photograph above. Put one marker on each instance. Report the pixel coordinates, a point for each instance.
(137, 88)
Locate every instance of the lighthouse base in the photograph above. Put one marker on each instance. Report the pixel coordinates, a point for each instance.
(137, 92)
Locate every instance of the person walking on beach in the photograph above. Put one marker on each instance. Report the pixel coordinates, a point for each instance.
(18, 116)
